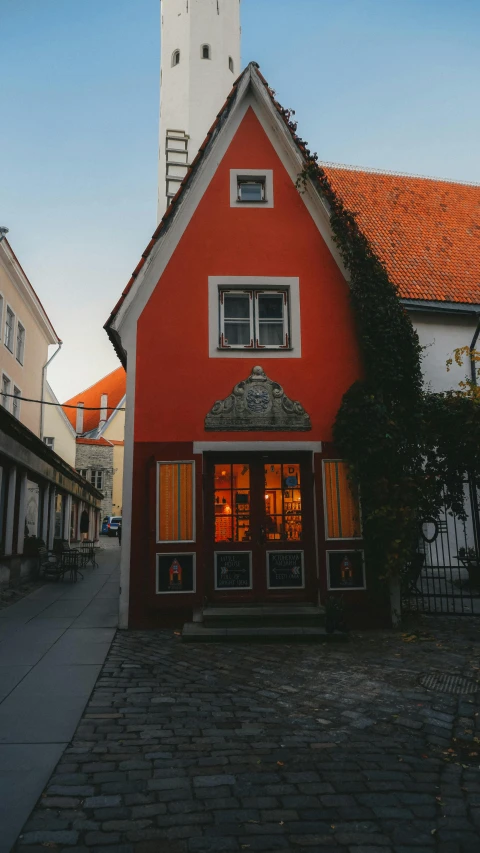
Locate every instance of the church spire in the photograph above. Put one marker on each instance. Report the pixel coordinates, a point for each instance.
(200, 60)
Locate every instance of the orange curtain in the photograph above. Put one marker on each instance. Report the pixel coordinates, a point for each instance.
(342, 506)
(175, 502)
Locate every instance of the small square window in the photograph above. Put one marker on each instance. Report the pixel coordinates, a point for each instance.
(49, 441)
(251, 190)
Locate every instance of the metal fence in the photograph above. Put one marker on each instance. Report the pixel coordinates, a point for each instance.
(444, 573)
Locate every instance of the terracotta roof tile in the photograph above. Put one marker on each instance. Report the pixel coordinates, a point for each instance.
(114, 385)
(102, 442)
(425, 230)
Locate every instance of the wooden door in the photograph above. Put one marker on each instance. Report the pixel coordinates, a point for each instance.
(260, 528)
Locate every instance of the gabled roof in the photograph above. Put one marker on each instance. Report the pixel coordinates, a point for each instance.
(114, 385)
(423, 229)
(27, 291)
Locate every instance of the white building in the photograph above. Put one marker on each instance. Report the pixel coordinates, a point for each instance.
(200, 61)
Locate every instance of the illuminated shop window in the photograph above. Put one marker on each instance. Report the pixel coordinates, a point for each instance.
(175, 502)
(232, 503)
(283, 502)
(341, 502)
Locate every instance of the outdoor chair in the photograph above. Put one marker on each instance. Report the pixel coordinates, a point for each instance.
(50, 564)
(70, 561)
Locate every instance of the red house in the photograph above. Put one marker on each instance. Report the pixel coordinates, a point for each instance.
(239, 343)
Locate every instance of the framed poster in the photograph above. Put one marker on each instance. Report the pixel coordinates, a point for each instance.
(233, 569)
(175, 573)
(285, 570)
(345, 570)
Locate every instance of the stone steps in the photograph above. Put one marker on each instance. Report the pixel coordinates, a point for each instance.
(264, 616)
(194, 632)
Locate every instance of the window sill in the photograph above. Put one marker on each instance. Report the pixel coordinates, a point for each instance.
(249, 202)
(254, 350)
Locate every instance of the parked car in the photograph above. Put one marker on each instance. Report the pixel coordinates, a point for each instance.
(105, 521)
(112, 526)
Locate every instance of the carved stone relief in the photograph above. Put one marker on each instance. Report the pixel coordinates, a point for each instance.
(257, 403)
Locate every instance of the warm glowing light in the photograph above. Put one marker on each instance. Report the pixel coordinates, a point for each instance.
(267, 497)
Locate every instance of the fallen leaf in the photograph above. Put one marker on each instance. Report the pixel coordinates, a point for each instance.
(280, 763)
(433, 831)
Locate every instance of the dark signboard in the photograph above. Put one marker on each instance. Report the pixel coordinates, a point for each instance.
(346, 570)
(175, 572)
(233, 570)
(285, 569)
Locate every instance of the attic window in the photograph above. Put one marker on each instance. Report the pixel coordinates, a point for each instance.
(230, 64)
(175, 58)
(251, 190)
(206, 52)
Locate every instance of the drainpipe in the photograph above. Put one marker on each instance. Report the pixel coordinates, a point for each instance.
(44, 370)
(473, 367)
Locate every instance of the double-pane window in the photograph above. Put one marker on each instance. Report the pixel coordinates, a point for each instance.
(251, 190)
(16, 402)
(254, 319)
(9, 328)
(96, 478)
(5, 391)
(20, 342)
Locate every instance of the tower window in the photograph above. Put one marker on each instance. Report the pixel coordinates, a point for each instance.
(230, 64)
(206, 51)
(175, 58)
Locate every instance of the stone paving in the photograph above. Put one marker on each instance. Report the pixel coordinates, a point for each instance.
(331, 748)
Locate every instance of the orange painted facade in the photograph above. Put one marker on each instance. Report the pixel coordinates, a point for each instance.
(172, 336)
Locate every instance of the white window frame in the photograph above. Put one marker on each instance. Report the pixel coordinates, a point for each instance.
(221, 295)
(157, 502)
(266, 175)
(291, 285)
(16, 403)
(93, 473)
(7, 399)
(20, 326)
(325, 513)
(286, 320)
(49, 441)
(12, 312)
(2, 302)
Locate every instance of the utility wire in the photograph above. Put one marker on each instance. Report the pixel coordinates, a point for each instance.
(63, 405)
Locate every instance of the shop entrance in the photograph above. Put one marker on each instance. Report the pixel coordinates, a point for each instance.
(260, 528)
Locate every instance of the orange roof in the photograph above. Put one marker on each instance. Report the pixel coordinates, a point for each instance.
(425, 230)
(113, 385)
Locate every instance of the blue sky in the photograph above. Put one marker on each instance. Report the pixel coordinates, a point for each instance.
(391, 84)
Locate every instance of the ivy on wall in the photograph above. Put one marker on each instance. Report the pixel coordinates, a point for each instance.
(407, 450)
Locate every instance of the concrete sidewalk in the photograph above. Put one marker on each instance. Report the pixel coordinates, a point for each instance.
(52, 646)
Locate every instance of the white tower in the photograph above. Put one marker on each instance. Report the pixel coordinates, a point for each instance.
(200, 60)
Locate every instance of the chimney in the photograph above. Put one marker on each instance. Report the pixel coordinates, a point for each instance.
(103, 410)
(79, 426)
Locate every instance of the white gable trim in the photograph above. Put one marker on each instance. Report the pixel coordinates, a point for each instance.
(250, 93)
(109, 420)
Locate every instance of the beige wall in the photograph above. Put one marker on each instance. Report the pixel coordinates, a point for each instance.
(115, 429)
(56, 425)
(117, 479)
(27, 377)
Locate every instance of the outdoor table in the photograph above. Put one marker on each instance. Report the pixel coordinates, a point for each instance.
(88, 553)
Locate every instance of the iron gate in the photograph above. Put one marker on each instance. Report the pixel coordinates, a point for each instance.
(444, 573)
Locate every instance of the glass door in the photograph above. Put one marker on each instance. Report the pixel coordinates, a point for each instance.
(259, 528)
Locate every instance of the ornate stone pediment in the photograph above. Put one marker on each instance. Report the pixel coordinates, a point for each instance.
(257, 403)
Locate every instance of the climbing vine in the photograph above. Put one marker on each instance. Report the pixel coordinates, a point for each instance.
(408, 451)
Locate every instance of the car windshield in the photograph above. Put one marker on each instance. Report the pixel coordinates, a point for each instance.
(116, 520)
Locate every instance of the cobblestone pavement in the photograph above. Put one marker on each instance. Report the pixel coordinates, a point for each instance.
(203, 748)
